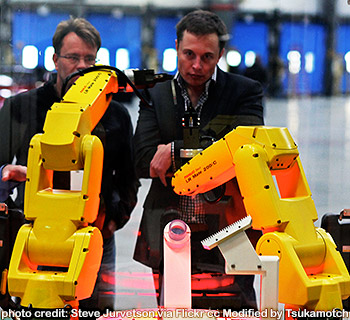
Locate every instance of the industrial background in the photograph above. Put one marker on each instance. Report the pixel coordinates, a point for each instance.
(304, 46)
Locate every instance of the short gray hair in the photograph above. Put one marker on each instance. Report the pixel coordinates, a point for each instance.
(81, 27)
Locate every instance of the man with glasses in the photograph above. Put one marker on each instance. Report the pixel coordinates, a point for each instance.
(76, 43)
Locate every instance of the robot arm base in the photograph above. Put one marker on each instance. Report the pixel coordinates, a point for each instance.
(54, 289)
(318, 286)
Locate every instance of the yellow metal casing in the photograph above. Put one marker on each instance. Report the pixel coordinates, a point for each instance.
(60, 235)
(276, 195)
(214, 166)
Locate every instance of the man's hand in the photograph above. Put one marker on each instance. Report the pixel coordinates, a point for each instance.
(161, 162)
(14, 172)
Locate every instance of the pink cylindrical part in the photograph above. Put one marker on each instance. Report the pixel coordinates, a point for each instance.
(177, 265)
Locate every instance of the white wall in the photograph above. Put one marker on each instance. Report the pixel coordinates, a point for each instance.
(286, 6)
(343, 9)
(156, 3)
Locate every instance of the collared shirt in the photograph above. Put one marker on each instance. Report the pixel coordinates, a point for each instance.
(192, 208)
(184, 93)
(203, 97)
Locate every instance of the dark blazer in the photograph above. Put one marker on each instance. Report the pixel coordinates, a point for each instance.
(234, 96)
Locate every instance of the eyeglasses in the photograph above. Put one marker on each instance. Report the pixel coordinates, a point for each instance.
(73, 59)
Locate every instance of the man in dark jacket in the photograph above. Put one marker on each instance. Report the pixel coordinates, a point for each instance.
(218, 97)
(76, 43)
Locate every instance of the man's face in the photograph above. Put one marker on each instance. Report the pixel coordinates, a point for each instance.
(83, 56)
(197, 57)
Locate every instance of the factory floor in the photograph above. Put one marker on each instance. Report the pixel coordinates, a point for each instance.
(320, 127)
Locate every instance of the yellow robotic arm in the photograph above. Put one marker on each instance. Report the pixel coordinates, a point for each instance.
(276, 195)
(60, 236)
(56, 257)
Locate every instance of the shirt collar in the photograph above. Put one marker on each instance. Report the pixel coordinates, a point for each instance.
(203, 97)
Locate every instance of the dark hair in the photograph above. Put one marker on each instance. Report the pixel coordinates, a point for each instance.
(201, 22)
(83, 29)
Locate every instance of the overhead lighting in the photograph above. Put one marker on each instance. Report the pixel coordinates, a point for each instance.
(233, 58)
(122, 59)
(5, 81)
(169, 60)
(30, 56)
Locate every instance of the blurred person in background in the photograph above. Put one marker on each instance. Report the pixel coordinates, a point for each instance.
(257, 72)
